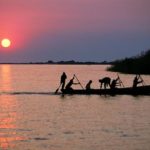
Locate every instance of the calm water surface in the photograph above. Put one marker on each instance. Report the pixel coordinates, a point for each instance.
(33, 118)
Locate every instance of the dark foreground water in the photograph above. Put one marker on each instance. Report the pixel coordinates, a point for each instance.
(33, 118)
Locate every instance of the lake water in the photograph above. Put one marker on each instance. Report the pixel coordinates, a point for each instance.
(33, 118)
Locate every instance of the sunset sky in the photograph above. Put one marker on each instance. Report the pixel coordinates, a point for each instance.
(82, 30)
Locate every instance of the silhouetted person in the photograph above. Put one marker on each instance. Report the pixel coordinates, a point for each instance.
(136, 81)
(114, 83)
(105, 81)
(63, 80)
(69, 85)
(88, 85)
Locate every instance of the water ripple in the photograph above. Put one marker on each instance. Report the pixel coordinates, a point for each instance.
(40, 139)
(28, 93)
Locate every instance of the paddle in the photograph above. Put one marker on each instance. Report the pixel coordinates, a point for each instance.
(57, 89)
(78, 81)
(142, 81)
(120, 81)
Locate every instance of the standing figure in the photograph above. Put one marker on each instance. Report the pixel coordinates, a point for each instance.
(88, 85)
(105, 81)
(136, 81)
(63, 80)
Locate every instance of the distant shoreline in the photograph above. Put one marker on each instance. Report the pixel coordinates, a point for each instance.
(60, 63)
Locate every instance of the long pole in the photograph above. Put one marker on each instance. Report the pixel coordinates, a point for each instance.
(120, 81)
(57, 89)
(143, 83)
(78, 81)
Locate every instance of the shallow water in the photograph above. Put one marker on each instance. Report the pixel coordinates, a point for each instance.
(33, 118)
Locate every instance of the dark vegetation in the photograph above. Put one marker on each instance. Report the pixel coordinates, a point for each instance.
(72, 62)
(139, 64)
(69, 62)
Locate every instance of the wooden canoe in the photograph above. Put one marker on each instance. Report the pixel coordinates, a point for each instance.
(141, 90)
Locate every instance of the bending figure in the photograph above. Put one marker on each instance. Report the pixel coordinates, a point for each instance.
(105, 81)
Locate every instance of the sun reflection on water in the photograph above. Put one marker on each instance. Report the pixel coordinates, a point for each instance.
(8, 111)
(6, 78)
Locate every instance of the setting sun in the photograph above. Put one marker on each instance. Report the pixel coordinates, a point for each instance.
(5, 43)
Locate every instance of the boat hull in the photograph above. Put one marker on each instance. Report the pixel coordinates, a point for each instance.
(142, 90)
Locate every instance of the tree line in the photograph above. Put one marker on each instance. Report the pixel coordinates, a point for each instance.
(139, 64)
